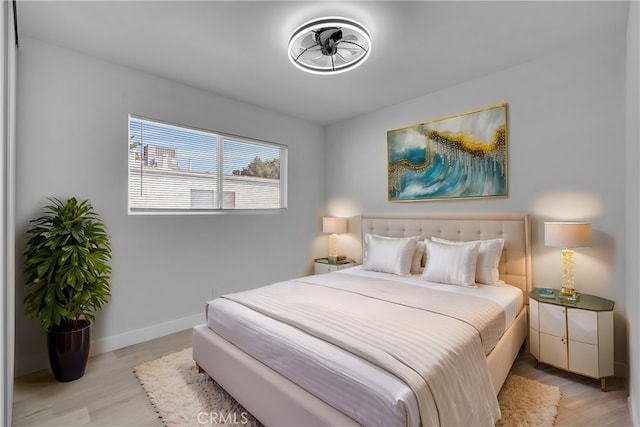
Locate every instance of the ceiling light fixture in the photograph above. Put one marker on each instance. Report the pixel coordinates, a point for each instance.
(329, 45)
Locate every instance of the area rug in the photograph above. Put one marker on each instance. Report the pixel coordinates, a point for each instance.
(183, 397)
(524, 402)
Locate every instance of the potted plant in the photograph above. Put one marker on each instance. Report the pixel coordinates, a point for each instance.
(67, 275)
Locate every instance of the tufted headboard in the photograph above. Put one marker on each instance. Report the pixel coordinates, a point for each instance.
(515, 264)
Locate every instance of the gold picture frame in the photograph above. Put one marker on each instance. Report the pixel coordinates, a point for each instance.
(457, 157)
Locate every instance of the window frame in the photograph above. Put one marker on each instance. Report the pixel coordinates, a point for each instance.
(220, 138)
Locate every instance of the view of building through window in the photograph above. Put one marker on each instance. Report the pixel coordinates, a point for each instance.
(180, 169)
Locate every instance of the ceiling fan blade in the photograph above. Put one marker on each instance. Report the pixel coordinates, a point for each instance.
(307, 51)
(308, 40)
(345, 54)
(339, 59)
(312, 49)
(313, 52)
(323, 61)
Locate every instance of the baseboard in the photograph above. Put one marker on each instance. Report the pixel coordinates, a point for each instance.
(137, 336)
(633, 408)
(40, 361)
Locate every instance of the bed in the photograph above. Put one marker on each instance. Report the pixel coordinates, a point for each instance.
(296, 372)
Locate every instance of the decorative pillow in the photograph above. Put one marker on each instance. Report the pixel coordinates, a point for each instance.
(417, 264)
(389, 254)
(451, 264)
(488, 258)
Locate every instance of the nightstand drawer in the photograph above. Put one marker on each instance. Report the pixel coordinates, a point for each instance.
(551, 319)
(583, 326)
(322, 266)
(553, 350)
(583, 359)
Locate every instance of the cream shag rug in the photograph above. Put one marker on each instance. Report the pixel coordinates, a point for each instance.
(183, 397)
(524, 402)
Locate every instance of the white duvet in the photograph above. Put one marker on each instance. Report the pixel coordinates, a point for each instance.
(369, 358)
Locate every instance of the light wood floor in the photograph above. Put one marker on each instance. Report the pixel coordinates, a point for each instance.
(109, 394)
(582, 403)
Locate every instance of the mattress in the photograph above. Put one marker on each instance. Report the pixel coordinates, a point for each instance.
(360, 389)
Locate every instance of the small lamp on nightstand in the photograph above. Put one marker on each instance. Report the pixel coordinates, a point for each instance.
(567, 235)
(333, 226)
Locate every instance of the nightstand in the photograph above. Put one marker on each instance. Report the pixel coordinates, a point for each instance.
(573, 335)
(321, 265)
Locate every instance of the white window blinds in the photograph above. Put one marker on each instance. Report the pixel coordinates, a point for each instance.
(176, 169)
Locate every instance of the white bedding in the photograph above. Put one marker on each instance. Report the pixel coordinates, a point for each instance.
(509, 297)
(358, 388)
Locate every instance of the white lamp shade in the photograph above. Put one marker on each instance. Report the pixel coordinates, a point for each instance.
(567, 234)
(334, 225)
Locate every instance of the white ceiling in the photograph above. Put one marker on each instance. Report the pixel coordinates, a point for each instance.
(238, 49)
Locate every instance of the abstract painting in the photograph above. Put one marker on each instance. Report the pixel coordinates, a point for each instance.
(461, 156)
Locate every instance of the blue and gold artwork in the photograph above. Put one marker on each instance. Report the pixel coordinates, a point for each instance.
(460, 156)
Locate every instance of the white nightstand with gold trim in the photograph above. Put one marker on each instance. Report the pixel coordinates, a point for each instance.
(573, 335)
(322, 265)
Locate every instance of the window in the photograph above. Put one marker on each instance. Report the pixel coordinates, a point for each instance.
(176, 169)
(202, 199)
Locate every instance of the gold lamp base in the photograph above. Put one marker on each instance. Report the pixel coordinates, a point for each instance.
(333, 248)
(567, 273)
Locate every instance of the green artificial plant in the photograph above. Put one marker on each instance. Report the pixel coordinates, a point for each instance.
(67, 269)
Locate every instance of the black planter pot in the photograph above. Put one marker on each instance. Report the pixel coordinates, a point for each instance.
(69, 351)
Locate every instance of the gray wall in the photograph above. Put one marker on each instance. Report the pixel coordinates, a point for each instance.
(633, 207)
(566, 142)
(72, 141)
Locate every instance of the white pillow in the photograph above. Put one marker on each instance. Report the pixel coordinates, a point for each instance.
(451, 264)
(488, 258)
(389, 254)
(417, 264)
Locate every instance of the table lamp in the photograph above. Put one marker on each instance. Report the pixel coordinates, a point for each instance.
(333, 226)
(567, 235)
